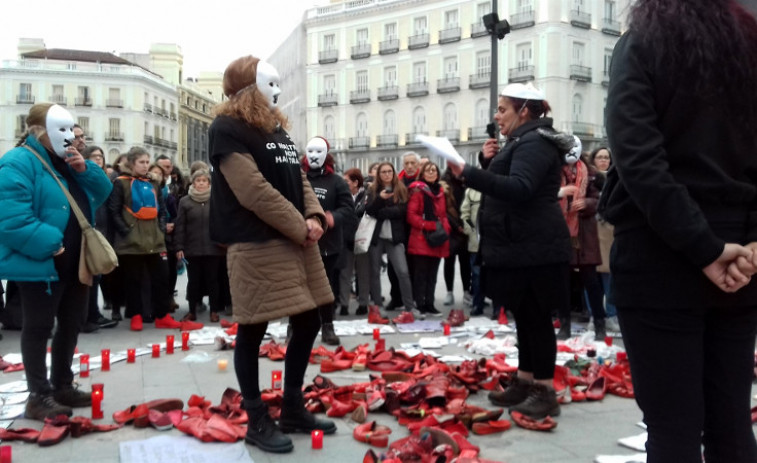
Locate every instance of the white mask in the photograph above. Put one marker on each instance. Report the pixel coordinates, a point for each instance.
(572, 156)
(267, 81)
(316, 152)
(60, 129)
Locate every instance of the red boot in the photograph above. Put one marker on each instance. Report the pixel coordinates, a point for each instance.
(374, 316)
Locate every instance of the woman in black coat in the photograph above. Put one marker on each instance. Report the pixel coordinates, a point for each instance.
(525, 244)
(682, 194)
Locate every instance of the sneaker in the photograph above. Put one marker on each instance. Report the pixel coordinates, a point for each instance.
(106, 323)
(431, 310)
(541, 402)
(344, 310)
(404, 317)
(41, 406)
(515, 393)
(468, 298)
(72, 397)
(612, 325)
(167, 322)
(418, 314)
(90, 327)
(116, 315)
(136, 323)
(361, 310)
(449, 299)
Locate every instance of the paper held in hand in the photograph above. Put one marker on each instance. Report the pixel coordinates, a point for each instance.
(442, 147)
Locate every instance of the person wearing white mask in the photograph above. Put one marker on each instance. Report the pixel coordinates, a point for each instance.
(40, 249)
(264, 209)
(525, 245)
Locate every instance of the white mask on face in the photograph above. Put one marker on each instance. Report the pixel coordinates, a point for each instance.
(267, 81)
(572, 156)
(60, 129)
(316, 152)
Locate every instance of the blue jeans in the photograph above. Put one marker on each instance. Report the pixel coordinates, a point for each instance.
(610, 309)
(475, 285)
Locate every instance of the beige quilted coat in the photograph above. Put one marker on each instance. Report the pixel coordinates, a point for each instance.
(276, 278)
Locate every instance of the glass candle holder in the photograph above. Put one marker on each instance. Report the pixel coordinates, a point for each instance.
(169, 344)
(131, 355)
(84, 365)
(105, 360)
(185, 340)
(155, 350)
(97, 398)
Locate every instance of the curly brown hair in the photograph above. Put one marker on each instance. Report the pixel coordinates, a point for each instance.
(245, 101)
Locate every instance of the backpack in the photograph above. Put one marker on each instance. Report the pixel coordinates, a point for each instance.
(144, 199)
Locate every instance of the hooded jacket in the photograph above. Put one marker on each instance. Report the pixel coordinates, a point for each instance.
(34, 212)
(520, 221)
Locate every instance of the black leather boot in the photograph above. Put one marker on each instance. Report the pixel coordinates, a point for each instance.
(296, 418)
(564, 333)
(328, 336)
(262, 430)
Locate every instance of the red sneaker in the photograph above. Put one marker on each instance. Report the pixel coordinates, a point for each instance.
(167, 322)
(404, 317)
(136, 323)
(502, 319)
(189, 326)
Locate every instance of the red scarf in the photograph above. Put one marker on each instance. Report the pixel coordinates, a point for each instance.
(577, 175)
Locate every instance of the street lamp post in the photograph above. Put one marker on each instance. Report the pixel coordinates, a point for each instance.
(498, 30)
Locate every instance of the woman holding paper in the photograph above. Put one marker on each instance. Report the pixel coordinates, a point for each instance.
(525, 244)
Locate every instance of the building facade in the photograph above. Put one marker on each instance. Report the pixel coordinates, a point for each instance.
(379, 72)
(118, 103)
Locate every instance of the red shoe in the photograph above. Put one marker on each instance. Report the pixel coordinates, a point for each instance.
(502, 319)
(52, 433)
(359, 363)
(188, 326)
(403, 317)
(136, 323)
(372, 434)
(547, 424)
(167, 322)
(456, 317)
(491, 427)
(597, 389)
(160, 420)
(328, 365)
(22, 434)
(374, 316)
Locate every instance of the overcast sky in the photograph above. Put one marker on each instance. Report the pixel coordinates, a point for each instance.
(211, 33)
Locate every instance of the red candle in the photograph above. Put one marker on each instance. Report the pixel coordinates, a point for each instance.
(84, 365)
(6, 453)
(446, 329)
(131, 355)
(376, 334)
(155, 350)
(105, 359)
(169, 344)
(276, 380)
(97, 398)
(380, 344)
(608, 341)
(185, 340)
(621, 356)
(317, 437)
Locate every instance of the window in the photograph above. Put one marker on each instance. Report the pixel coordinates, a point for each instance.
(610, 9)
(450, 116)
(114, 127)
(524, 55)
(450, 67)
(578, 5)
(608, 58)
(483, 63)
(83, 93)
(419, 120)
(361, 81)
(420, 25)
(171, 139)
(21, 123)
(525, 6)
(114, 93)
(25, 92)
(329, 128)
(173, 108)
(329, 42)
(147, 127)
(578, 53)
(390, 123)
(362, 125)
(362, 36)
(482, 9)
(57, 91)
(419, 72)
(482, 113)
(83, 123)
(390, 31)
(450, 19)
(329, 84)
(578, 103)
(156, 132)
(390, 76)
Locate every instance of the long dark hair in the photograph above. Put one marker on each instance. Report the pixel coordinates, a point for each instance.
(708, 47)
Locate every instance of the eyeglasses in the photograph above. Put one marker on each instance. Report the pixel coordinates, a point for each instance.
(80, 137)
(386, 172)
(601, 156)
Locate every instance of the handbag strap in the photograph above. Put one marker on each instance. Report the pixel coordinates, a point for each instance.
(83, 222)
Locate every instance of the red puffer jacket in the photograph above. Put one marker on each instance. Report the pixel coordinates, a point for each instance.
(417, 244)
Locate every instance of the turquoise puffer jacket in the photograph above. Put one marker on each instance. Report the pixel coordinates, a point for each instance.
(34, 212)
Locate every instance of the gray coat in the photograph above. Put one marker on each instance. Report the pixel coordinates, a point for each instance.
(192, 229)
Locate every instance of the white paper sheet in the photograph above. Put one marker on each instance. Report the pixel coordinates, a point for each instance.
(637, 442)
(442, 147)
(182, 449)
(638, 458)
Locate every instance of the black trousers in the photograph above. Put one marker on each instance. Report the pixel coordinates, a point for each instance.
(93, 312)
(531, 294)
(305, 327)
(154, 269)
(463, 256)
(692, 375)
(42, 304)
(332, 272)
(425, 270)
(203, 275)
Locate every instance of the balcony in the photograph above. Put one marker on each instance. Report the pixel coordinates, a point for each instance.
(360, 143)
(173, 117)
(328, 99)
(580, 19)
(361, 51)
(478, 30)
(417, 41)
(417, 89)
(328, 56)
(580, 73)
(522, 20)
(161, 112)
(390, 92)
(161, 142)
(114, 136)
(453, 34)
(148, 108)
(113, 103)
(387, 47)
(148, 140)
(360, 96)
(480, 80)
(450, 134)
(605, 79)
(59, 99)
(410, 138)
(583, 128)
(477, 133)
(611, 27)
(387, 141)
(448, 85)
(25, 99)
(520, 74)
(172, 145)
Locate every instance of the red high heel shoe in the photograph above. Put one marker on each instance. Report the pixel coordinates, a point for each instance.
(372, 434)
(491, 427)
(547, 424)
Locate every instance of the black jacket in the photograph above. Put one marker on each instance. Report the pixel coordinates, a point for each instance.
(386, 209)
(350, 227)
(192, 232)
(683, 183)
(335, 197)
(520, 220)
